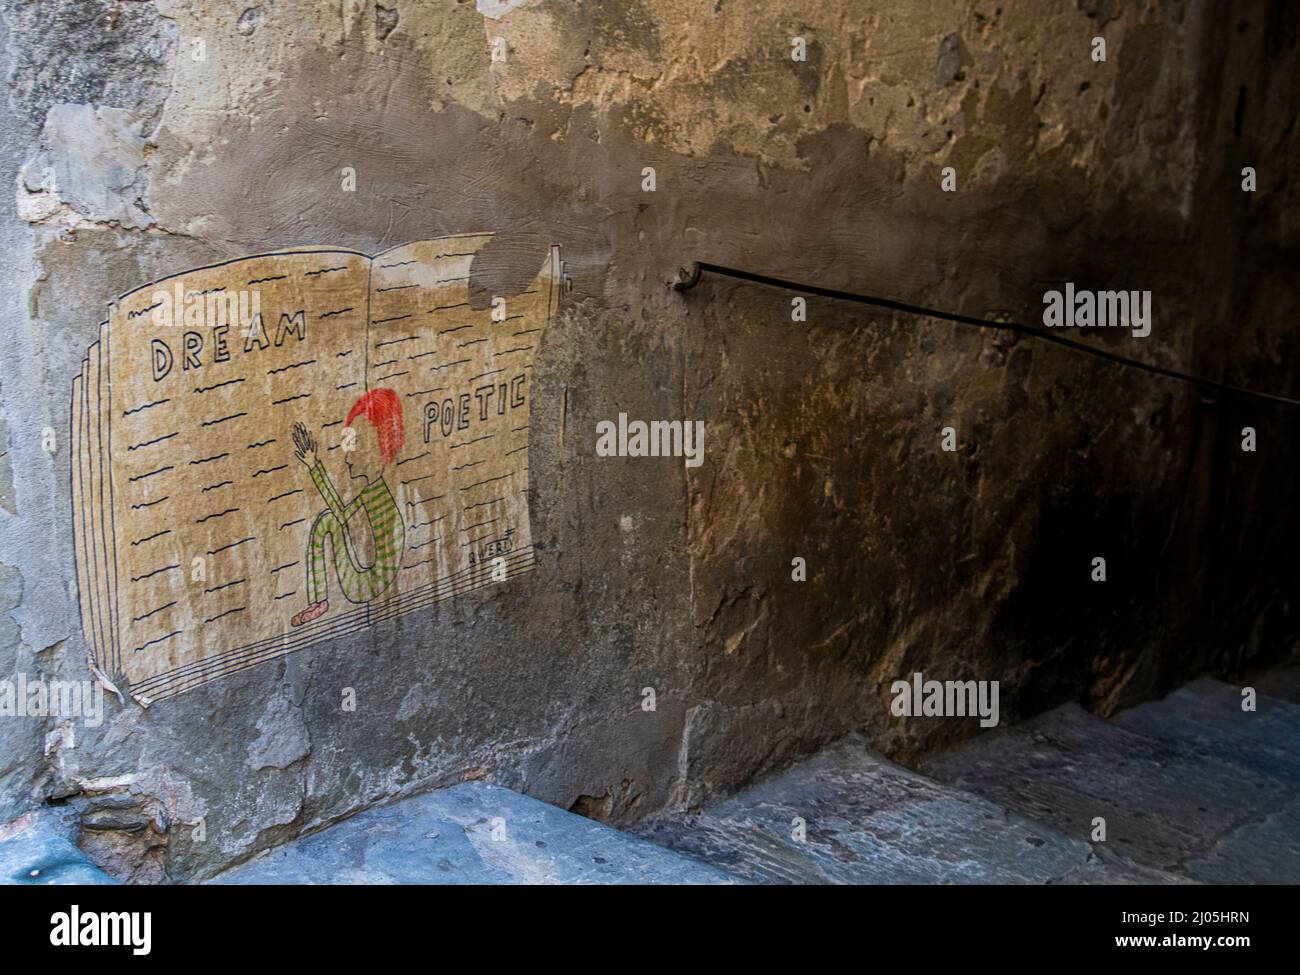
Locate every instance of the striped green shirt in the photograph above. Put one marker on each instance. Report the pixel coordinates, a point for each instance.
(359, 583)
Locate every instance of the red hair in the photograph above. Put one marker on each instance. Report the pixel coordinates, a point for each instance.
(384, 411)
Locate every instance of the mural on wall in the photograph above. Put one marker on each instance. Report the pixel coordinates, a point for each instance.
(284, 449)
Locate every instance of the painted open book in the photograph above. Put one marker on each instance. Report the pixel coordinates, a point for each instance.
(283, 449)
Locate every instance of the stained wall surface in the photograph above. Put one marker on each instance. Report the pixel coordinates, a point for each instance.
(149, 138)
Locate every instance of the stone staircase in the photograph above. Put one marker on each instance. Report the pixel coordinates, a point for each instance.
(1190, 785)
(868, 821)
(1190, 789)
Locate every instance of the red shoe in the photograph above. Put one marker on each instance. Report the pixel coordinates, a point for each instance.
(310, 613)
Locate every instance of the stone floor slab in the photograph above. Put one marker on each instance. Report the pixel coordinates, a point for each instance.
(1207, 717)
(37, 849)
(472, 833)
(869, 821)
(1163, 802)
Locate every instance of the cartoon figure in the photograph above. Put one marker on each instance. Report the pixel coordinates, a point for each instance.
(377, 444)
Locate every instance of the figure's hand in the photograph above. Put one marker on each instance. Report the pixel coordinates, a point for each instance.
(304, 446)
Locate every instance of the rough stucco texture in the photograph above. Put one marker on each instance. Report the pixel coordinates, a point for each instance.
(132, 158)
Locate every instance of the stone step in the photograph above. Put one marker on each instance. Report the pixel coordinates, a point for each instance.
(37, 848)
(1206, 716)
(1265, 849)
(472, 833)
(869, 821)
(1165, 804)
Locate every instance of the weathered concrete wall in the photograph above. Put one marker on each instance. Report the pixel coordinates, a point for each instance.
(822, 438)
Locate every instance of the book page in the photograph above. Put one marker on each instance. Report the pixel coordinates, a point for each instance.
(462, 381)
(210, 506)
